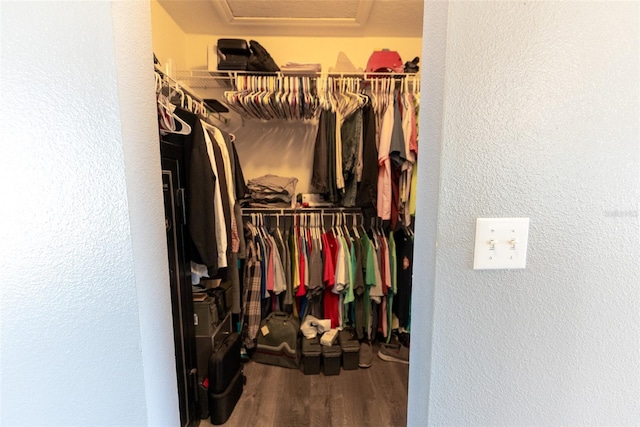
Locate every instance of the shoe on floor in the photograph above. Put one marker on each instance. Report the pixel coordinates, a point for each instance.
(404, 339)
(394, 353)
(365, 357)
(244, 357)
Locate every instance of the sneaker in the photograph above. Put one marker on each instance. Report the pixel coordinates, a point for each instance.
(366, 355)
(404, 339)
(244, 357)
(394, 353)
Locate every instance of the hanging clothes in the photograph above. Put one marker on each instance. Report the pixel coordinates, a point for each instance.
(331, 298)
(404, 255)
(384, 162)
(220, 220)
(359, 288)
(200, 191)
(252, 296)
(351, 134)
(321, 159)
(366, 196)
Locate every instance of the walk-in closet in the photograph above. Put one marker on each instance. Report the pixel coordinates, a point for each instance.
(289, 143)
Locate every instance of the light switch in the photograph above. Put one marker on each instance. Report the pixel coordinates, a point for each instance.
(501, 243)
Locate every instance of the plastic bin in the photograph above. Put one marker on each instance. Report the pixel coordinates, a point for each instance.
(331, 359)
(311, 351)
(350, 349)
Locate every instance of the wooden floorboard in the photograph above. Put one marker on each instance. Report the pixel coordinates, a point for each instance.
(275, 396)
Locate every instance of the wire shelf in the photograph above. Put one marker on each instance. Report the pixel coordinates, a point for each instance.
(203, 79)
(199, 79)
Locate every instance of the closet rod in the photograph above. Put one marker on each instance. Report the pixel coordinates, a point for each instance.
(187, 90)
(224, 75)
(294, 211)
(213, 79)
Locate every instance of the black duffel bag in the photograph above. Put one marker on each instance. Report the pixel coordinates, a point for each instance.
(277, 341)
(260, 60)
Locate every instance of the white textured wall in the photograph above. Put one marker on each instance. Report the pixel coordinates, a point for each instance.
(132, 36)
(540, 119)
(426, 227)
(78, 278)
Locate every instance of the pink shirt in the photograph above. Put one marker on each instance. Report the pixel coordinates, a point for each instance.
(384, 163)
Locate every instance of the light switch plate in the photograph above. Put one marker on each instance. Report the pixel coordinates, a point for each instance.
(501, 243)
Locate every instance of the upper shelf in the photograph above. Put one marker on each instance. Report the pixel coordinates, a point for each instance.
(203, 79)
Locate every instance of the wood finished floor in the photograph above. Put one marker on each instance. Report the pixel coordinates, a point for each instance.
(275, 396)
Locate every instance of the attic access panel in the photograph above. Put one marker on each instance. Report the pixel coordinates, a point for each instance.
(299, 9)
(294, 12)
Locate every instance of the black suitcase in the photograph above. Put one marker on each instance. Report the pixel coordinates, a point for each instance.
(234, 63)
(237, 47)
(224, 362)
(221, 405)
(233, 54)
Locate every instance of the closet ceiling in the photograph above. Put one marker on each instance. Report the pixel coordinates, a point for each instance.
(372, 18)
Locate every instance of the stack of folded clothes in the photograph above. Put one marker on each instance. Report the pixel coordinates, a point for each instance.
(298, 68)
(271, 191)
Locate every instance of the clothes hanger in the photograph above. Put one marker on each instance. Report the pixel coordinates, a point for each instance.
(258, 100)
(354, 225)
(254, 97)
(265, 99)
(305, 229)
(323, 92)
(363, 231)
(290, 98)
(158, 82)
(343, 225)
(313, 226)
(312, 98)
(180, 93)
(239, 96)
(230, 96)
(293, 97)
(252, 226)
(185, 129)
(261, 227)
(274, 88)
(321, 220)
(167, 123)
(246, 97)
(304, 98)
(277, 97)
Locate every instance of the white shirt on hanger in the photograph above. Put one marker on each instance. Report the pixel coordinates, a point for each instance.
(220, 220)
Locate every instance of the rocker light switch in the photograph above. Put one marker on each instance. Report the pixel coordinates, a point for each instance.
(501, 243)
